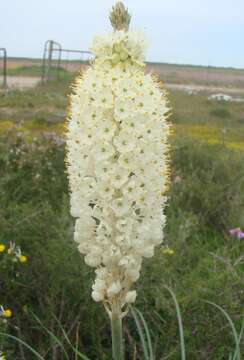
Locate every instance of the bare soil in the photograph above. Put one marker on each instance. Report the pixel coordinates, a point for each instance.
(179, 77)
(21, 82)
(197, 75)
(206, 88)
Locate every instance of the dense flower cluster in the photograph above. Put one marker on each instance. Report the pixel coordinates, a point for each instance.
(117, 165)
(120, 48)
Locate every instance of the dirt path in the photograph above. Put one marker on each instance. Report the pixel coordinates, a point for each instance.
(21, 82)
(205, 88)
(24, 82)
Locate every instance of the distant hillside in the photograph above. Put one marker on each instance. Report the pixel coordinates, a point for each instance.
(199, 75)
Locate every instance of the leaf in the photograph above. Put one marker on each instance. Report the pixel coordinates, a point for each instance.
(24, 344)
(77, 352)
(234, 332)
(140, 332)
(53, 336)
(149, 341)
(180, 324)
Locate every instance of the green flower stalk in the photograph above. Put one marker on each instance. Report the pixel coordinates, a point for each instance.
(117, 145)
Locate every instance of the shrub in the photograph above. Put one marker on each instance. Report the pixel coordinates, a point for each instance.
(220, 113)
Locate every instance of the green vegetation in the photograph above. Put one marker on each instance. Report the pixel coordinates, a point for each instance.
(48, 101)
(221, 113)
(35, 70)
(208, 120)
(205, 200)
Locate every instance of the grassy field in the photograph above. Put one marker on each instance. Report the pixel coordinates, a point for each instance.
(206, 199)
(213, 121)
(171, 73)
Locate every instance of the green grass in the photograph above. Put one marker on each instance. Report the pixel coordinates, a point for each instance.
(208, 120)
(203, 119)
(48, 101)
(34, 70)
(205, 201)
(221, 112)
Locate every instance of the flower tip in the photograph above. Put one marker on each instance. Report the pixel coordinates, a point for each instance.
(120, 17)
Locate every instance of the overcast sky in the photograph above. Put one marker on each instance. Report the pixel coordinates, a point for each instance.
(205, 32)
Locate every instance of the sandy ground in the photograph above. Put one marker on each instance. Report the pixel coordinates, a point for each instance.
(21, 82)
(172, 73)
(206, 88)
(16, 63)
(24, 82)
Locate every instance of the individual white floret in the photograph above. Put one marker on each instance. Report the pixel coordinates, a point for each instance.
(130, 297)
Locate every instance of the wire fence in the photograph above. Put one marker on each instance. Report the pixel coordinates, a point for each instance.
(58, 62)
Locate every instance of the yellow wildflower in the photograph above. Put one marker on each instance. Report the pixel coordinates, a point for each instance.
(2, 248)
(23, 259)
(7, 313)
(168, 251)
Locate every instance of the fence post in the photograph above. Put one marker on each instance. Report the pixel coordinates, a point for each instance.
(49, 61)
(51, 65)
(4, 67)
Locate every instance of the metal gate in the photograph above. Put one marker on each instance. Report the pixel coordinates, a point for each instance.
(57, 62)
(3, 67)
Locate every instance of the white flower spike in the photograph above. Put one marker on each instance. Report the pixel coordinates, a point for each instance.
(117, 146)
